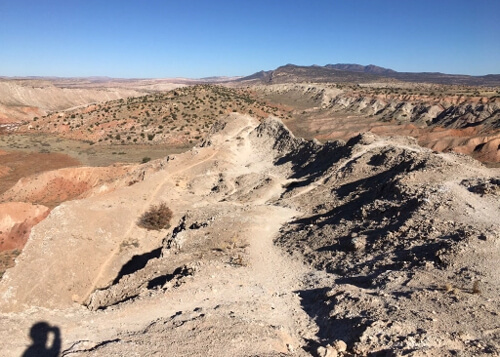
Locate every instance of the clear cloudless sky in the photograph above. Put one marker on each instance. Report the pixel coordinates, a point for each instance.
(200, 38)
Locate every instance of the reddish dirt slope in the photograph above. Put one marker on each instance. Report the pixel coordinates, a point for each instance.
(54, 187)
(31, 184)
(16, 221)
(15, 165)
(30, 200)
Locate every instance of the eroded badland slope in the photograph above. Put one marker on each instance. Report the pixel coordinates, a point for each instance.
(278, 246)
(22, 100)
(444, 118)
(123, 130)
(30, 200)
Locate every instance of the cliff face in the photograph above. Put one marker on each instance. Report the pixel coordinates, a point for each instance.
(454, 112)
(468, 126)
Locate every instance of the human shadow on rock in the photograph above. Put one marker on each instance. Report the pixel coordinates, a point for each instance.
(46, 341)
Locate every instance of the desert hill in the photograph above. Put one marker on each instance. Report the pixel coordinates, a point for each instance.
(178, 117)
(352, 67)
(278, 246)
(24, 99)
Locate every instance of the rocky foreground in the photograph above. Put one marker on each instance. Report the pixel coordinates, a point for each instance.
(278, 247)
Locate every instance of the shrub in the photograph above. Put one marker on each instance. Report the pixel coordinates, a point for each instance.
(146, 159)
(156, 218)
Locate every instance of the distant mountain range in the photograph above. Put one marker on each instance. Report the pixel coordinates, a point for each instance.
(291, 73)
(356, 73)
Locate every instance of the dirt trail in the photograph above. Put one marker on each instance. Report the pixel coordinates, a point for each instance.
(252, 282)
(153, 197)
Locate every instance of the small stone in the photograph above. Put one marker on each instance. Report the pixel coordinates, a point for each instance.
(327, 351)
(331, 352)
(357, 243)
(340, 346)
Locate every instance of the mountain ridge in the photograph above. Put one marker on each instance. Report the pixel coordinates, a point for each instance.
(356, 73)
(353, 67)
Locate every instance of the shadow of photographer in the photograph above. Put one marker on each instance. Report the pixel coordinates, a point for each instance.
(46, 341)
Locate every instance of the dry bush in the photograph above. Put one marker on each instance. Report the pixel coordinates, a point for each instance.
(156, 218)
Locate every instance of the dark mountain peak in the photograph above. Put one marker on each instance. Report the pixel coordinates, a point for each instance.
(288, 66)
(353, 67)
(371, 68)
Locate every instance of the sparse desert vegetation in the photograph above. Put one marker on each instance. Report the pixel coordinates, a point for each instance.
(176, 118)
(157, 217)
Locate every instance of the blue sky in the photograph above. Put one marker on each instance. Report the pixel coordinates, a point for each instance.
(194, 38)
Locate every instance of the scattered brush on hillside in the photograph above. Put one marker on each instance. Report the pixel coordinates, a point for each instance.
(178, 117)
